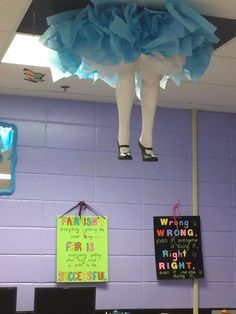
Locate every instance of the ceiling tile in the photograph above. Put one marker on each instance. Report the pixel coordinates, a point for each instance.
(219, 8)
(227, 50)
(11, 13)
(222, 71)
(200, 94)
(5, 39)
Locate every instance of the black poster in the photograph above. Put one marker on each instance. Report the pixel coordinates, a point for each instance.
(178, 248)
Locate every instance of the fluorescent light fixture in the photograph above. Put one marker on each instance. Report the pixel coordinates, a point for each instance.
(27, 50)
(4, 176)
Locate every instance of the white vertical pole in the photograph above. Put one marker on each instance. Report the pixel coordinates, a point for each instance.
(195, 198)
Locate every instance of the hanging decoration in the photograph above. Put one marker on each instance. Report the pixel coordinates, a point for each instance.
(178, 251)
(92, 41)
(82, 247)
(133, 49)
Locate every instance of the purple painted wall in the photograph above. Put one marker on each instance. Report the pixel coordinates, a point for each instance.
(217, 165)
(67, 152)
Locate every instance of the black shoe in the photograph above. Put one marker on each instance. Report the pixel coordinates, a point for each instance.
(123, 156)
(146, 156)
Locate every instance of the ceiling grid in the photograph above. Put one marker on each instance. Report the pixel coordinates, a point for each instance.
(216, 90)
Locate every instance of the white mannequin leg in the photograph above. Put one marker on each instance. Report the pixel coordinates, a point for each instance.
(149, 75)
(125, 91)
(149, 97)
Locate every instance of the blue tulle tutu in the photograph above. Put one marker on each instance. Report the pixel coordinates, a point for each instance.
(175, 42)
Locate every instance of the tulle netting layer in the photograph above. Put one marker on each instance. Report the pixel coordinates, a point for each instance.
(175, 42)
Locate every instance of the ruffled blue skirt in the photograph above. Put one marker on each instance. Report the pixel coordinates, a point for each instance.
(91, 42)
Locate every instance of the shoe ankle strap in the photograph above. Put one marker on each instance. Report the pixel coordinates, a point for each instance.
(124, 146)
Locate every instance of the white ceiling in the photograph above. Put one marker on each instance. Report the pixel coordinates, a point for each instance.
(215, 91)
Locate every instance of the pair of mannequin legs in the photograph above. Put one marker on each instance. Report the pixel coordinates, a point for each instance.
(125, 93)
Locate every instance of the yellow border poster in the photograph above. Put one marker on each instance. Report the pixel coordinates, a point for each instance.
(82, 249)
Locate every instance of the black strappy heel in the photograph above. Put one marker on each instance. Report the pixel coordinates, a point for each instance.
(146, 156)
(122, 155)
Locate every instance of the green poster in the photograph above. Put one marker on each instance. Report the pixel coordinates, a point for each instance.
(82, 249)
